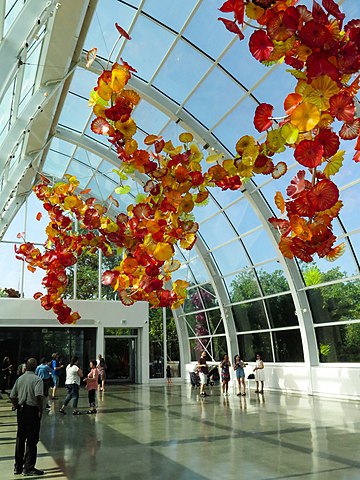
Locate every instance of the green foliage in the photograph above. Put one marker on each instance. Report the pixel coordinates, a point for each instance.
(324, 349)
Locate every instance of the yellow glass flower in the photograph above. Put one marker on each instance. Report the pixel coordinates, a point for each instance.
(249, 155)
(244, 142)
(131, 146)
(128, 128)
(305, 116)
(303, 51)
(254, 11)
(163, 251)
(119, 78)
(275, 141)
(186, 137)
(319, 92)
(131, 96)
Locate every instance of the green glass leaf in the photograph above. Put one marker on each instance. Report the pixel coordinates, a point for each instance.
(123, 190)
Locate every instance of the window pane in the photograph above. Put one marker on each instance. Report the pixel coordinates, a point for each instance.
(281, 311)
(334, 303)
(288, 346)
(156, 344)
(254, 343)
(272, 279)
(340, 343)
(244, 287)
(250, 316)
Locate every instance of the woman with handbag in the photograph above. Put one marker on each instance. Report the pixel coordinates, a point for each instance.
(240, 374)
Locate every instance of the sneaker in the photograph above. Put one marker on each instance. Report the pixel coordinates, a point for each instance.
(18, 470)
(61, 410)
(48, 406)
(33, 473)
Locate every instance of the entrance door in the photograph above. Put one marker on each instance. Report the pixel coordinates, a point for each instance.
(120, 355)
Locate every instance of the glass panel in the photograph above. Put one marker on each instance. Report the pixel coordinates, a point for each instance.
(16, 226)
(10, 265)
(217, 231)
(208, 296)
(288, 346)
(281, 311)
(149, 118)
(152, 43)
(173, 14)
(272, 279)
(156, 343)
(35, 229)
(243, 217)
(335, 303)
(75, 112)
(120, 331)
(227, 92)
(120, 355)
(87, 280)
(215, 348)
(231, 257)
(30, 69)
(172, 345)
(5, 108)
(197, 324)
(199, 271)
(20, 343)
(250, 345)
(349, 213)
(215, 321)
(237, 124)
(244, 286)
(259, 246)
(102, 32)
(212, 44)
(340, 343)
(250, 316)
(174, 79)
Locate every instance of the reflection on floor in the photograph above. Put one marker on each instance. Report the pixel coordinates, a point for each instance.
(169, 432)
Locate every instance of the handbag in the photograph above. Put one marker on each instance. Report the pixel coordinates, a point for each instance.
(251, 376)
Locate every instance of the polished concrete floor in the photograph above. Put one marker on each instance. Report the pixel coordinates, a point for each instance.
(169, 432)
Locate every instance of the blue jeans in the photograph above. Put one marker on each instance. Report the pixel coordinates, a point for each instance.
(72, 393)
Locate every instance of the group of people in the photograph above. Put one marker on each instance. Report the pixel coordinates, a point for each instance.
(239, 368)
(29, 397)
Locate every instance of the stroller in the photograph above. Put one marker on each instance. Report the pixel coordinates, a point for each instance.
(194, 379)
(213, 377)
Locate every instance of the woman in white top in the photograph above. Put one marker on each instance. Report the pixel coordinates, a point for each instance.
(259, 373)
(72, 384)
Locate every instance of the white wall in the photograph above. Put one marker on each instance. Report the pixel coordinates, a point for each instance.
(336, 381)
(16, 312)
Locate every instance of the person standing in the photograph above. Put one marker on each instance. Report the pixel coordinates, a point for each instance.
(168, 374)
(72, 384)
(6, 371)
(44, 372)
(91, 385)
(56, 368)
(225, 375)
(259, 373)
(27, 398)
(203, 371)
(240, 374)
(101, 366)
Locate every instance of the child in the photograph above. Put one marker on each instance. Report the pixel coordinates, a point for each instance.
(91, 385)
(168, 374)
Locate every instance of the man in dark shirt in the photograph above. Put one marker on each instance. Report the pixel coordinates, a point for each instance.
(27, 398)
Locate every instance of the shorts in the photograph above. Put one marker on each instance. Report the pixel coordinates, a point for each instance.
(56, 380)
(240, 373)
(203, 378)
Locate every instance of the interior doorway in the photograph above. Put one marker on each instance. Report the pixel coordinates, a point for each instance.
(120, 357)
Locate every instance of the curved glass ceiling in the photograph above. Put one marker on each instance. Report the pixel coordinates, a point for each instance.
(192, 75)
